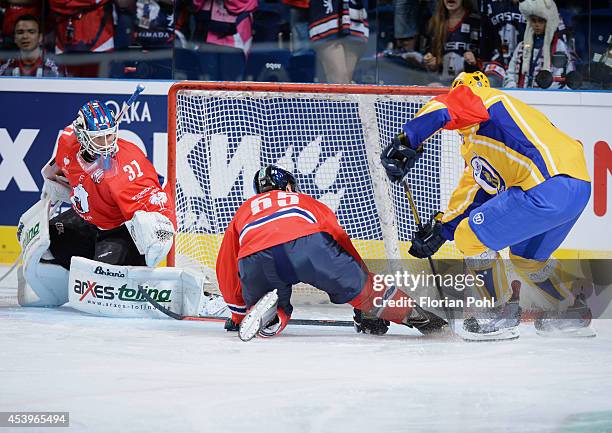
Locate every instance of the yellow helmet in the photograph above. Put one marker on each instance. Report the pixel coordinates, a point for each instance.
(474, 79)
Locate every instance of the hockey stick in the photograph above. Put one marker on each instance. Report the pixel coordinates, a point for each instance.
(177, 316)
(12, 268)
(130, 101)
(417, 220)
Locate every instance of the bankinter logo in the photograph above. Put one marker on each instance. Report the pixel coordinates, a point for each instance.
(123, 293)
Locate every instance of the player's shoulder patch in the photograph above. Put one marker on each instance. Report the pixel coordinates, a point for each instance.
(67, 141)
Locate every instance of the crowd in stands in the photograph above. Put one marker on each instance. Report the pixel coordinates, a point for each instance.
(517, 43)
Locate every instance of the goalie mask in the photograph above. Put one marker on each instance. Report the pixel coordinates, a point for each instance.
(273, 177)
(474, 79)
(96, 130)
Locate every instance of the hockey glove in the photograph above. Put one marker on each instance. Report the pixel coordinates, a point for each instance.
(231, 326)
(428, 240)
(399, 157)
(369, 324)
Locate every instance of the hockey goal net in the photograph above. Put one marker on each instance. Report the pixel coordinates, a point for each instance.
(329, 136)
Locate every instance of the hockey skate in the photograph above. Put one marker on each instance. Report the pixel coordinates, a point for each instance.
(499, 323)
(213, 305)
(573, 322)
(264, 313)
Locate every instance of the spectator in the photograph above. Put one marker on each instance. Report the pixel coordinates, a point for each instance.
(29, 62)
(143, 26)
(503, 27)
(226, 23)
(405, 24)
(219, 35)
(154, 23)
(452, 42)
(531, 64)
(298, 22)
(13, 9)
(339, 35)
(83, 26)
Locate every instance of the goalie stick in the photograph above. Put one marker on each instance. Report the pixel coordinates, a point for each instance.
(177, 316)
(130, 101)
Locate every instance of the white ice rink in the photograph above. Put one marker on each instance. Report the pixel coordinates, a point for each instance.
(128, 375)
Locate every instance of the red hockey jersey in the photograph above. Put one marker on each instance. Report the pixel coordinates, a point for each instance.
(266, 220)
(112, 200)
(83, 25)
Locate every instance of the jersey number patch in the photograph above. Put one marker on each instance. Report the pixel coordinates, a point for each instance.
(265, 201)
(133, 174)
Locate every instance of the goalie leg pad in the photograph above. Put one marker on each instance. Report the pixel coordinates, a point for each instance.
(39, 284)
(112, 290)
(42, 285)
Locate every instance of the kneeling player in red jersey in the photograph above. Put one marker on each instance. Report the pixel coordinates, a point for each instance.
(281, 237)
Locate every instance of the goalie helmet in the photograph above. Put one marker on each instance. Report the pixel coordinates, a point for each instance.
(273, 177)
(96, 129)
(474, 79)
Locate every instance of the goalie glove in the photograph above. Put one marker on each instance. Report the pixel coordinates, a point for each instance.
(399, 157)
(152, 233)
(56, 190)
(230, 325)
(428, 240)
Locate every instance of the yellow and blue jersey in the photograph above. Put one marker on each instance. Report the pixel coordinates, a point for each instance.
(506, 143)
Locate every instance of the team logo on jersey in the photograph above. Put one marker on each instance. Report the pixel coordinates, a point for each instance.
(66, 160)
(97, 175)
(79, 199)
(478, 218)
(486, 176)
(159, 199)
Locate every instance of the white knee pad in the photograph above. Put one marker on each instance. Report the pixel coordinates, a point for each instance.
(38, 284)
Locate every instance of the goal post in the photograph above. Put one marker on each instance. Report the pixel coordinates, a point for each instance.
(329, 136)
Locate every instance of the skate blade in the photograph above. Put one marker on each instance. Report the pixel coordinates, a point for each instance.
(252, 322)
(587, 332)
(501, 335)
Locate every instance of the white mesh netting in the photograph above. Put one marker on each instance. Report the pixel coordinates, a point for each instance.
(331, 142)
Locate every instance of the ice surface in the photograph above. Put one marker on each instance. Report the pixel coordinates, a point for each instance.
(129, 375)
